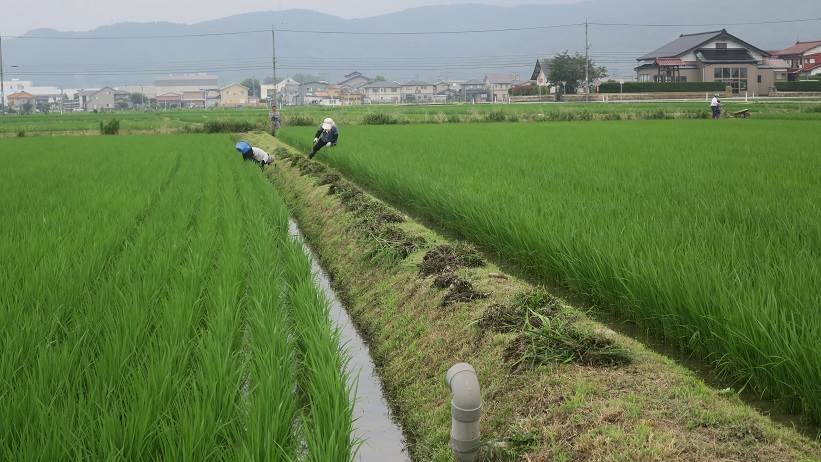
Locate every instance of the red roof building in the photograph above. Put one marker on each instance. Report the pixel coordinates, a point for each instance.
(804, 58)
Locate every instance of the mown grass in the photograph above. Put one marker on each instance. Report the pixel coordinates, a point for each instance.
(141, 319)
(706, 233)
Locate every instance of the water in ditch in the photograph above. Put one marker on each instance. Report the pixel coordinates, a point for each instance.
(382, 438)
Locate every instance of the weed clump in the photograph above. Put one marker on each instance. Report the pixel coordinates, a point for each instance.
(227, 126)
(379, 118)
(523, 310)
(112, 127)
(448, 257)
(299, 121)
(329, 178)
(461, 291)
(21, 133)
(551, 340)
(495, 116)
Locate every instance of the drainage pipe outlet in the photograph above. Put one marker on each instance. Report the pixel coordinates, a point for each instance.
(465, 409)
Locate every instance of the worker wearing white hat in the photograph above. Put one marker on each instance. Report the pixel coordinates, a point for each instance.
(327, 135)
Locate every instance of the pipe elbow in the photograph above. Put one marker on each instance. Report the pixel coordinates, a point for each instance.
(467, 397)
(465, 410)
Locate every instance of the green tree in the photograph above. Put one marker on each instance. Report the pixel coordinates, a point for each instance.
(303, 78)
(253, 86)
(26, 108)
(379, 78)
(567, 71)
(137, 98)
(43, 108)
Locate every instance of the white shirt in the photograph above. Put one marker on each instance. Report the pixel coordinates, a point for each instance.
(262, 156)
(715, 102)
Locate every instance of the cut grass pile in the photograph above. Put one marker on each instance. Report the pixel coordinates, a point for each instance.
(154, 308)
(706, 233)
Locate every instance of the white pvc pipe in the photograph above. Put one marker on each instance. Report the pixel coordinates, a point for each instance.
(465, 410)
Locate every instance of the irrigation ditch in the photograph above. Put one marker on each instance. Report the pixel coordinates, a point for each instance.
(556, 385)
(380, 436)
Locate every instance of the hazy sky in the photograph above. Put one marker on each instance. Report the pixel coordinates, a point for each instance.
(19, 16)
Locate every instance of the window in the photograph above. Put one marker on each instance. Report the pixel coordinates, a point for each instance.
(721, 45)
(734, 77)
(759, 78)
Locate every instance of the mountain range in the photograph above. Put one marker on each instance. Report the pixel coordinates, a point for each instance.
(98, 57)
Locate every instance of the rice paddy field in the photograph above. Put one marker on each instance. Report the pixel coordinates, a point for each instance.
(153, 307)
(176, 121)
(704, 233)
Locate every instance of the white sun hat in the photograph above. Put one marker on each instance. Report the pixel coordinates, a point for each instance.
(328, 123)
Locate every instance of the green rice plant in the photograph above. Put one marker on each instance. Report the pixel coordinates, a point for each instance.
(154, 327)
(710, 241)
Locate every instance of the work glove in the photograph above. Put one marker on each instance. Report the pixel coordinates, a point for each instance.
(315, 140)
(328, 145)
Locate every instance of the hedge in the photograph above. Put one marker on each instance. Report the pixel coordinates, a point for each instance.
(653, 87)
(803, 85)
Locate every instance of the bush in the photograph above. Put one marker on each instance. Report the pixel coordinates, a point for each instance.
(652, 87)
(454, 118)
(299, 121)
(112, 127)
(379, 118)
(802, 85)
(227, 126)
(21, 133)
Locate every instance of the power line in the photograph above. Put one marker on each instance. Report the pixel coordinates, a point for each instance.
(754, 23)
(408, 33)
(294, 31)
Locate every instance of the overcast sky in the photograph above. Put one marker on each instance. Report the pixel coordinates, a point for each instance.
(19, 16)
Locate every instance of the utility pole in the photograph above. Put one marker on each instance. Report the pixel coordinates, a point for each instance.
(274, 101)
(2, 81)
(586, 61)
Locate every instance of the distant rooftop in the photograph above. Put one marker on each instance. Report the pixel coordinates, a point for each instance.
(798, 49)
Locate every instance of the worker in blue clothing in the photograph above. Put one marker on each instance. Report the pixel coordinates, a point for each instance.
(254, 153)
(326, 136)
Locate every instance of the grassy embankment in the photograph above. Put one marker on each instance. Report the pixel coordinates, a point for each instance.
(705, 233)
(556, 386)
(177, 121)
(140, 317)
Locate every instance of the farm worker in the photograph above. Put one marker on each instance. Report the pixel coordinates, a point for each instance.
(327, 135)
(276, 120)
(254, 153)
(715, 105)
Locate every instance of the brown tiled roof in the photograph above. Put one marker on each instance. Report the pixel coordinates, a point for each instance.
(798, 49)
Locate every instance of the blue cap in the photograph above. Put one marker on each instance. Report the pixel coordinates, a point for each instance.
(243, 147)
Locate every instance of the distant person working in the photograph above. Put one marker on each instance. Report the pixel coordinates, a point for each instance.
(254, 153)
(715, 105)
(327, 135)
(276, 120)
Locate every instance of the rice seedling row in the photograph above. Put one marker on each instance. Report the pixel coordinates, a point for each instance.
(706, 233)
(151, 309)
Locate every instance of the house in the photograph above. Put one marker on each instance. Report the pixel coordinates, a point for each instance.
(475, 91)
(415, 91)
(287, 92)
(500, 85)
(195, 98)
(354, 81)
(541, 73)
(19, 99)
(803, 59)
(234, 95)
(104, 99)
(382, 92)
(170, 99)
(716, 56)
(307, 92)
